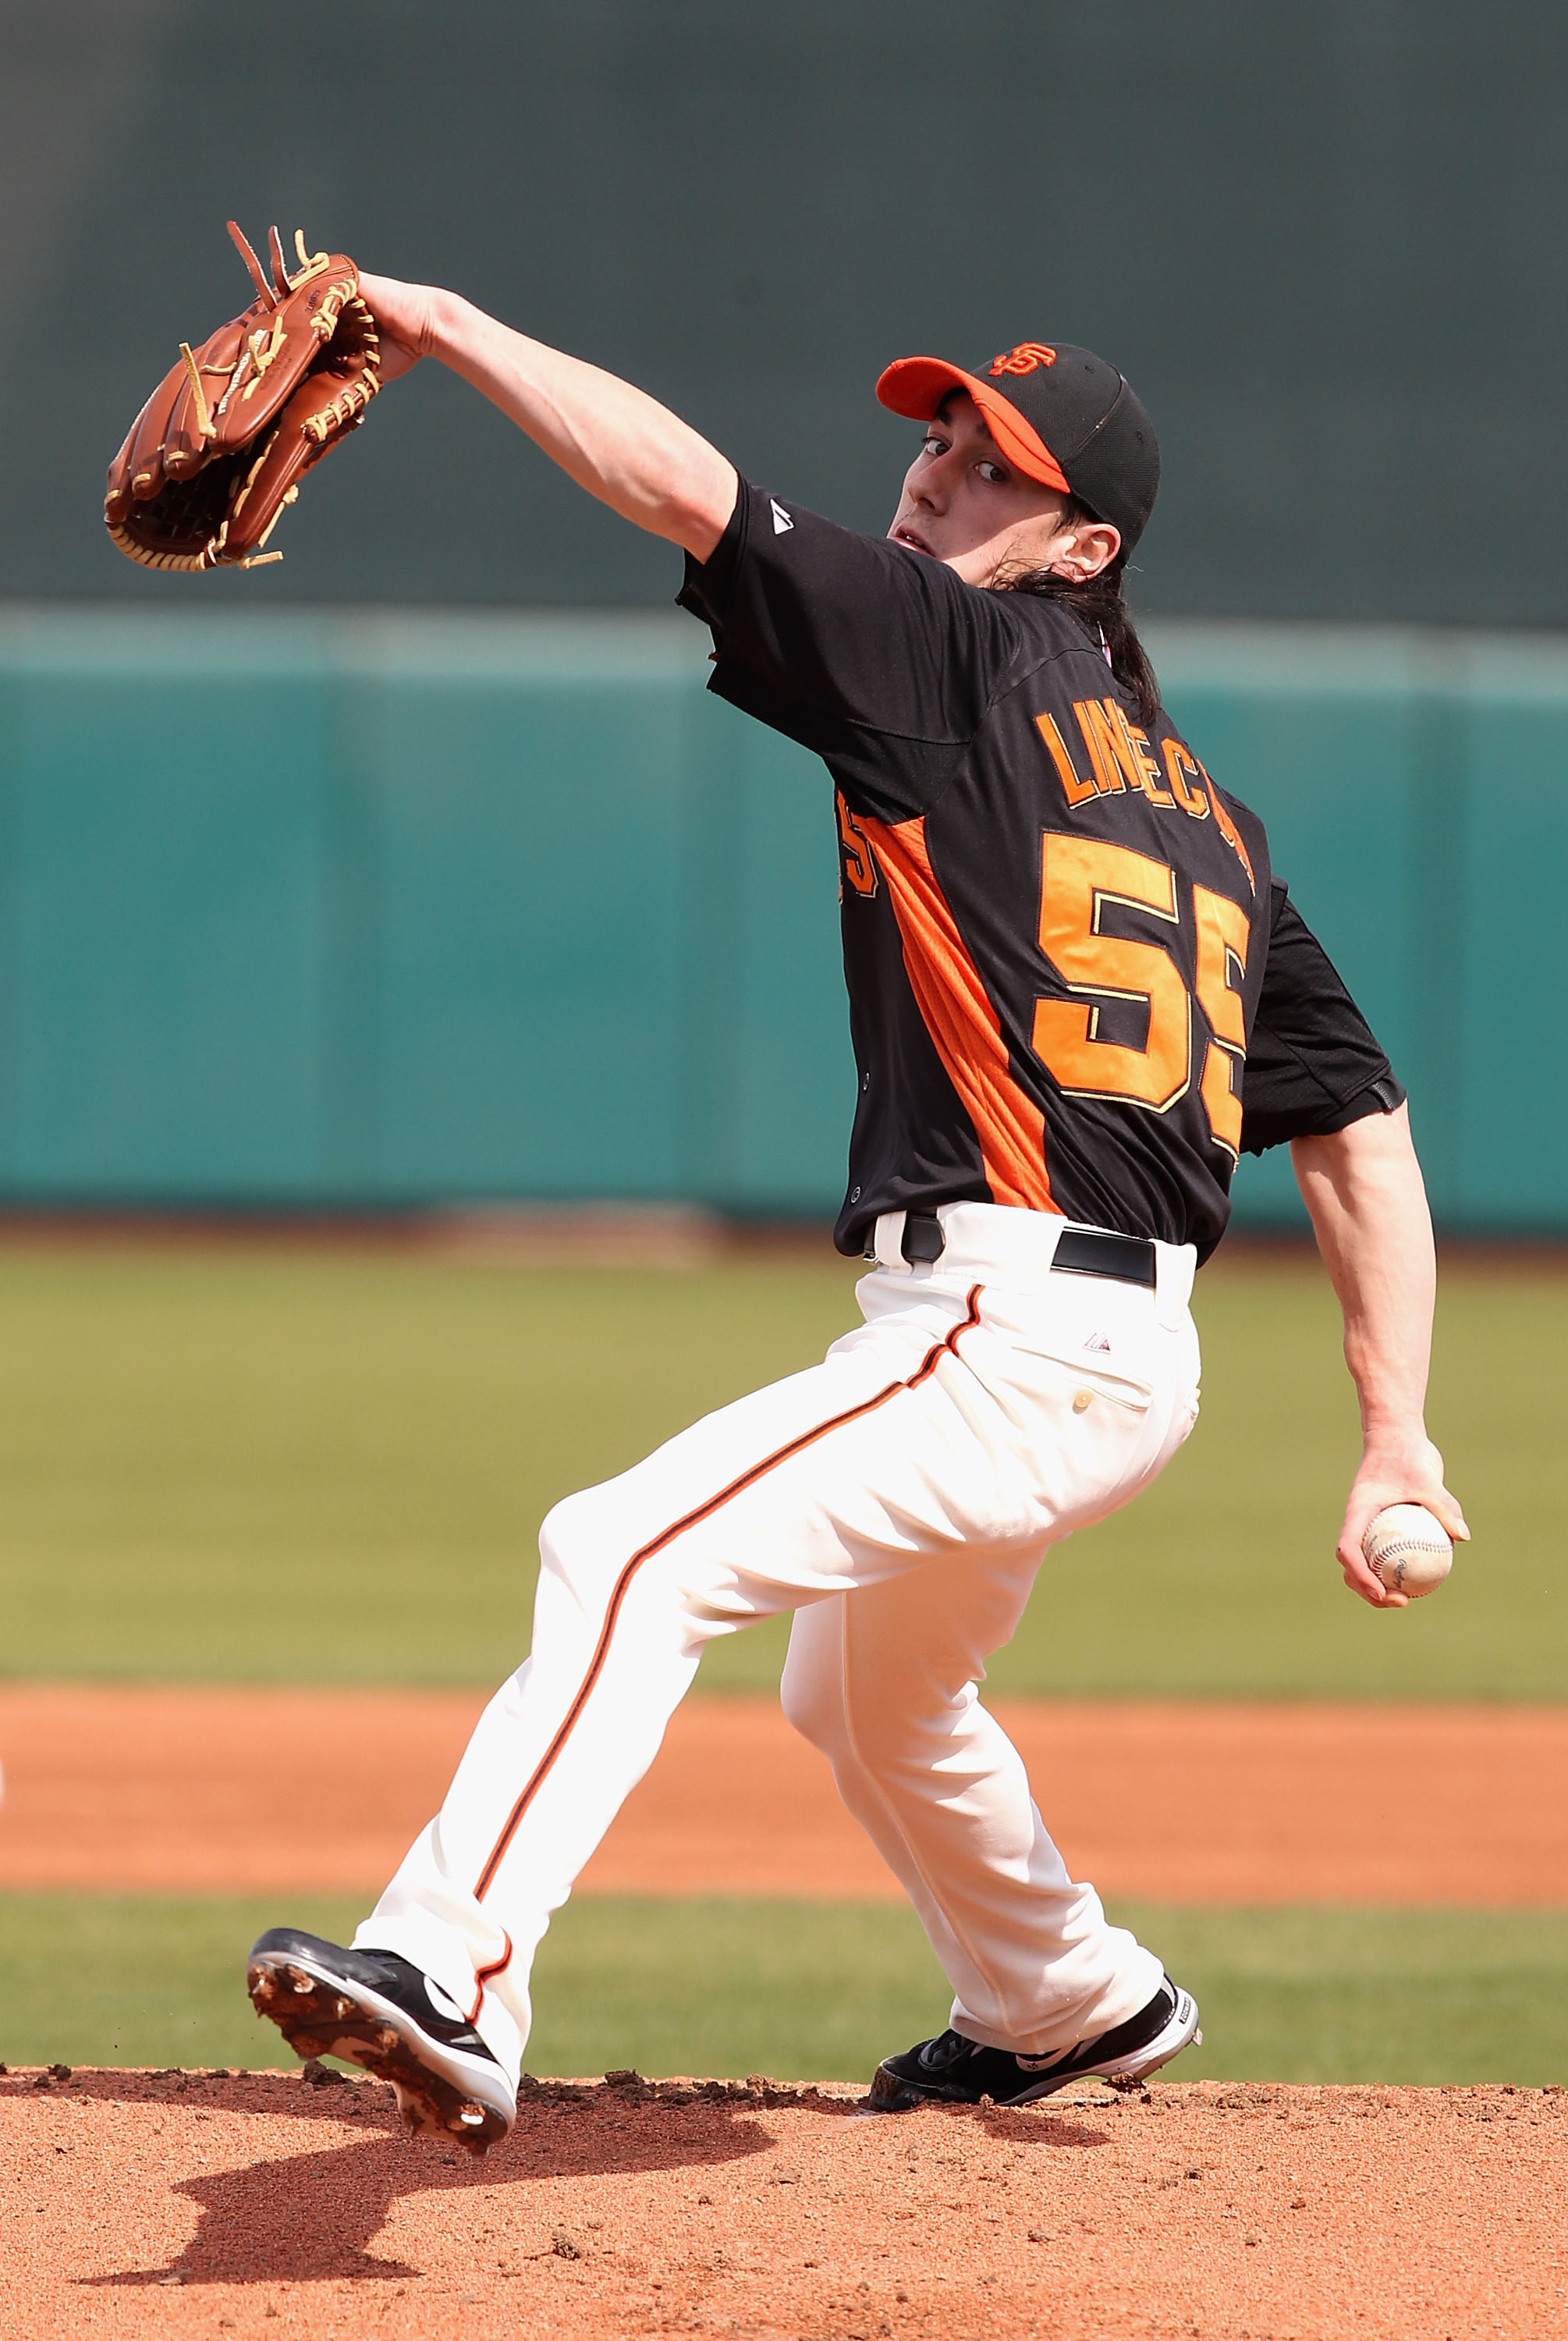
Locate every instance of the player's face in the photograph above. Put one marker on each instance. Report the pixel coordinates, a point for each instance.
(965, 505)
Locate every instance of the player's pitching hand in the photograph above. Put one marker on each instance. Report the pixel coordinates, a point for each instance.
(1407, 1473)
(405, 320)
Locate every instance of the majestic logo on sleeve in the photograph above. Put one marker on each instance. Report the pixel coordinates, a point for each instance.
(1023, 359)
(781, 520)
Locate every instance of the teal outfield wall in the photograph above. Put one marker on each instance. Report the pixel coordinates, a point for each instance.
(329, 911)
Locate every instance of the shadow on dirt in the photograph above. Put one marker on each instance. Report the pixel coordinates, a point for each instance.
(311, 2216)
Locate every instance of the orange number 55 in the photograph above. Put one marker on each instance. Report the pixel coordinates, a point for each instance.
(1079, 877)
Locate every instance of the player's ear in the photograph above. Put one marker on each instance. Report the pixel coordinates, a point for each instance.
(1090, 548)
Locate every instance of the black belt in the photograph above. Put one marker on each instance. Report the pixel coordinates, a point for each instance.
(1080, 1251)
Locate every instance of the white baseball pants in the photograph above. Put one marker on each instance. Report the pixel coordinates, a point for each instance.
(900, 1498)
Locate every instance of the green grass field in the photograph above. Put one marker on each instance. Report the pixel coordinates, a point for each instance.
(286, 1468)
(812, 1992)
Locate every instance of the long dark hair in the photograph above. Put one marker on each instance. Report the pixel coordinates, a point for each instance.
(1099, 606)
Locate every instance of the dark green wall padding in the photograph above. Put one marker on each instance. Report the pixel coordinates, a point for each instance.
(367, 909)
(1324, 243)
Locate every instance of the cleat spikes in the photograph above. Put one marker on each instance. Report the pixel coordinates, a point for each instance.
(374, 2010)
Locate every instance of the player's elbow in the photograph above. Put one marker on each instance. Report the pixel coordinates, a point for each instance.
(1373, 1142)
(1362, 1188)
(696, 515)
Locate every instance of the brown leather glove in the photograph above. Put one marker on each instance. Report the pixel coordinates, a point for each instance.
(219, 448)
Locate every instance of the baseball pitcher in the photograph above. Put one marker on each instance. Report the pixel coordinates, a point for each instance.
(1077, 992)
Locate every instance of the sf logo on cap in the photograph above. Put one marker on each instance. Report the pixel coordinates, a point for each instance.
(1024, 358)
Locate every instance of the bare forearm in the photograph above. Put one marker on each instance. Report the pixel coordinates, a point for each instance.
(612, 439)
(1363, 1189)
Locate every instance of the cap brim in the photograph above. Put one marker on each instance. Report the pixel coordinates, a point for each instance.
(917, 387)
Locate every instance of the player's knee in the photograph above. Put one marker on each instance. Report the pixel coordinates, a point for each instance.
(809, 1695)
(566, 1539)
(840, 1698)
(890, 1715)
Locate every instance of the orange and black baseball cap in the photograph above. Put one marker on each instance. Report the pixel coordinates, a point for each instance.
(1059, 413)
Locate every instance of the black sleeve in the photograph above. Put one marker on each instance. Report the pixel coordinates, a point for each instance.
(876, 657)
(1312, 1064)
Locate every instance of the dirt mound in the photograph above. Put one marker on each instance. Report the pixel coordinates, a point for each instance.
(166, 2204)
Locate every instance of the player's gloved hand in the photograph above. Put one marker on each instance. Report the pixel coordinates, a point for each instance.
(405, 320)
(216, 455)
(1406, 1472)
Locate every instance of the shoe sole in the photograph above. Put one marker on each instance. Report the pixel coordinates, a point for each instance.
(439, 2092)
(891, 2093)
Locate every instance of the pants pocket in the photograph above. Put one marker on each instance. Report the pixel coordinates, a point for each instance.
(1122, 1389)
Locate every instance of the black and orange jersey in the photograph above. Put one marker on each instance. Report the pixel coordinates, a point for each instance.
(1075, 984)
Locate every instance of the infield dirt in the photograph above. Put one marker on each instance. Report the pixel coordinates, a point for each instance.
(167, 2204)
(141, 1790)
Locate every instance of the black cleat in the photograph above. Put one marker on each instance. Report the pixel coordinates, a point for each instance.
(375, 2009)
(953, 2071)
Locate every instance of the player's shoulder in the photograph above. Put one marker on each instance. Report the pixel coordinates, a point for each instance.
(1055, 633)
(1246, 837)
(1055, 658)
(1250, 827)
(793, 548)
(1235, 820)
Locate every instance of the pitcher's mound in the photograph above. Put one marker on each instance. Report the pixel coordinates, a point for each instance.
(165, 2204)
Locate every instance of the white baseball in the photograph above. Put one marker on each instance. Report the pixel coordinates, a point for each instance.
(1408, 1548)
